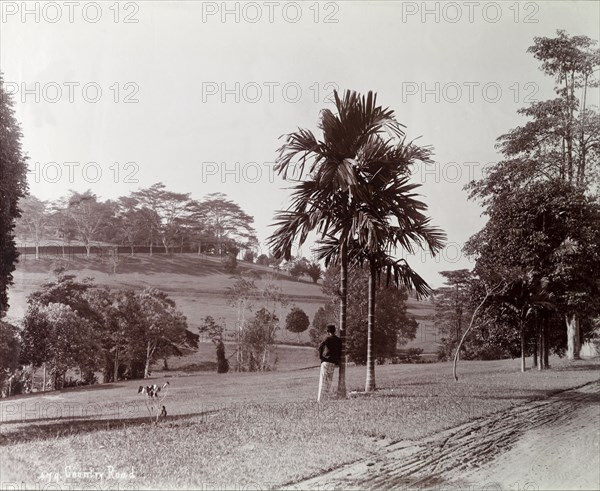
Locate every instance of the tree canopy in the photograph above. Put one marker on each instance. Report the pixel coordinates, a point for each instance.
(13, 186)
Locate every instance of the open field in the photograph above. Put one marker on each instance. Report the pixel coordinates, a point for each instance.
(198, 285)
(261, 430)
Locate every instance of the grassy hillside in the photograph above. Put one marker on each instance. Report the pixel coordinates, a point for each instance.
(198, 285)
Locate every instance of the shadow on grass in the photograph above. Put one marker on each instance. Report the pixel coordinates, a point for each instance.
(78, 426)
(56, 393)
(578, 366)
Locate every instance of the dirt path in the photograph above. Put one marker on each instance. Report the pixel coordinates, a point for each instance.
(548, 444)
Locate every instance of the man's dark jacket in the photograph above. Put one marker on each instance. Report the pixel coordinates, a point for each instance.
(331, 349)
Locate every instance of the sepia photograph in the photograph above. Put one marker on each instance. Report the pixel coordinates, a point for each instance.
(300, 245)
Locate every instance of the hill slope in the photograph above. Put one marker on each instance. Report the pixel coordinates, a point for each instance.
(198, 285)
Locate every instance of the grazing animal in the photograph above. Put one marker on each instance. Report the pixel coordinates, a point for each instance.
(154, 398)
(152, 391)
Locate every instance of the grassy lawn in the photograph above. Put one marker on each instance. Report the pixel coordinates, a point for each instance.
(253, 430)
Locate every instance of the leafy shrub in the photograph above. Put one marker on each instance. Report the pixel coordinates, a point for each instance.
(229, 263)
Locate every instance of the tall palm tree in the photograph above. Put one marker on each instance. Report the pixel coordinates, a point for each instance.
(333, 201)
(413, 231)
(404, 226)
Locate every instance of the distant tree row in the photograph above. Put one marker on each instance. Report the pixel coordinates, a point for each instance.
(80, 327)
(154, 217)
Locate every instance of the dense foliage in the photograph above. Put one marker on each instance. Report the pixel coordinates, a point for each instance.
(543, 234)
(73, 325)
(13, 186)
(394, 327)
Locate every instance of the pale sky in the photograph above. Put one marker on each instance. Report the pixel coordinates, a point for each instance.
(210, 87)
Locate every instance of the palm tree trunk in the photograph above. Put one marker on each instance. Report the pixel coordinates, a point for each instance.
(370, 383)
(343, 303)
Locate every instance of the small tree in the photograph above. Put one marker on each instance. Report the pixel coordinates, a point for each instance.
(297, 321)
(297, 270)
(262, 260)
(164, 327)
(258, 337)
(314, 271)
(214, 331)
(229, 263)
(88, 216)
(323, 317)
(33, 221)
(240, 296)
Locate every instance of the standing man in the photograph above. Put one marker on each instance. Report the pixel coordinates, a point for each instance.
(330, 352)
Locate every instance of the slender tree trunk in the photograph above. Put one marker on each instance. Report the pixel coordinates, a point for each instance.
(343, 304)
(263, 363)
(540, 346)
(37, 251)
(88, 248)
(523, 366)
(582, 149)
(116, 368)
(464, 336)
(132, 251)
(370, 382)
(573, 340)
(569, 132)
(44, 379)
(546, 345)
(33, 372)
(563, 160)
(147, 368)
(149, 353)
